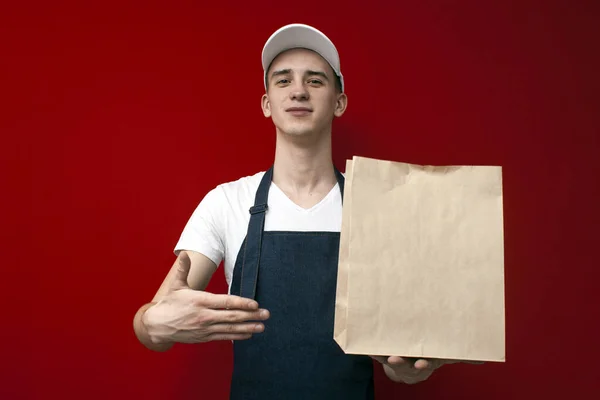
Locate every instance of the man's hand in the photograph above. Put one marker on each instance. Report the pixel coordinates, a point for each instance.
(185, 315)
(408, 370)
(413, 370)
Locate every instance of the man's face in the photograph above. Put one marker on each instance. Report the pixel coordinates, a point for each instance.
(302, 98)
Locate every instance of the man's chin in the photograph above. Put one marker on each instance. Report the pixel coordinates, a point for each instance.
(299, 131)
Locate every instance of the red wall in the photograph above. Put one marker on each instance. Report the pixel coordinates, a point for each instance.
(117, 118)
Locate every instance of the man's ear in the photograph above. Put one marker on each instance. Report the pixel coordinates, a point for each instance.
(341, 105)
(266, 105)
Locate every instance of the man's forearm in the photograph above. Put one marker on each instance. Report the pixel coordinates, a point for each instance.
(142, 333)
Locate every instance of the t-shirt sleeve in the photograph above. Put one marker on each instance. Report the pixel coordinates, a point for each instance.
(204, 231)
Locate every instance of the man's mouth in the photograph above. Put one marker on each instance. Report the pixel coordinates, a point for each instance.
(299, 111)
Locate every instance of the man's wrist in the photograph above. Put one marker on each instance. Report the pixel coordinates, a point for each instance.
(149, 328)
(146, 333)
(146, 326)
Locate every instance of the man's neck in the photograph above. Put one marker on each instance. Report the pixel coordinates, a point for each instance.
(304, 168)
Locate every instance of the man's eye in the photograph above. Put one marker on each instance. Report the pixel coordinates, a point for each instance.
(283, 81)
(315, 81)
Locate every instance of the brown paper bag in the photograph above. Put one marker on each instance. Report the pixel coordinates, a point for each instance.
(421, 262)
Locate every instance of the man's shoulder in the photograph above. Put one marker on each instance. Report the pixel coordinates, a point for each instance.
(242, 184)
(239, 192)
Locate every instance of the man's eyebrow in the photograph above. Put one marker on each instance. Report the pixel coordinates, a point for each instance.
(318, 73)
(280, 72)
(309, 73)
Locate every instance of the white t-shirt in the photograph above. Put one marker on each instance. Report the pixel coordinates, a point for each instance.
(219, 224)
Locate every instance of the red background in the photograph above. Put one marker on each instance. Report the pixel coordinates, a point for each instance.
(117, 118)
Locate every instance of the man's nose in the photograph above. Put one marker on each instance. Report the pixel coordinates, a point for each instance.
(299, 91)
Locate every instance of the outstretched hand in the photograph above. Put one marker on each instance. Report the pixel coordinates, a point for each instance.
(185, 315)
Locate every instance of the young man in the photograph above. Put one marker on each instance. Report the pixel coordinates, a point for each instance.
(278, 234)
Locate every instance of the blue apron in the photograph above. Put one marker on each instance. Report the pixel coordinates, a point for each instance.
(294, 276)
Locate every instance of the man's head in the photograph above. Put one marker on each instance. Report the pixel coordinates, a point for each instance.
(303, 83)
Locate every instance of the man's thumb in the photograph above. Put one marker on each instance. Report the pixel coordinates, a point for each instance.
(183, 269)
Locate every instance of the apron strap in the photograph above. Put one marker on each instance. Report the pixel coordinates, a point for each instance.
(341, 180)
(253, 243)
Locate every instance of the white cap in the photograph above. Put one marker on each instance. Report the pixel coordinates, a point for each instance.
(301, 36)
